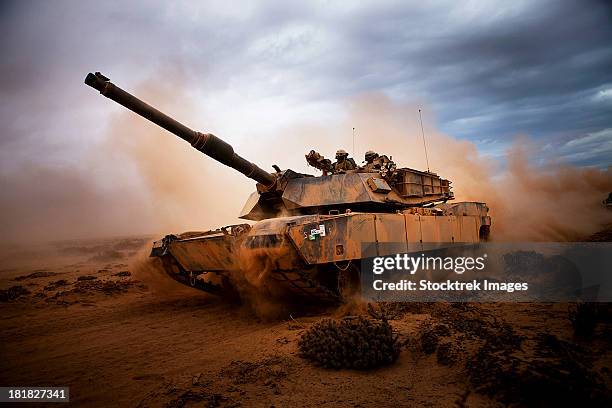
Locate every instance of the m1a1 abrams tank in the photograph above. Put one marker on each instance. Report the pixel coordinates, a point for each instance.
(309, 232)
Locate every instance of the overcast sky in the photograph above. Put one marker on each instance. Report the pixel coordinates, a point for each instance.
(276, 79)
(486, 71)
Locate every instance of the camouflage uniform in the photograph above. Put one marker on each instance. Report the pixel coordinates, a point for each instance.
(371, 163)
(376, 163)
(343, 162)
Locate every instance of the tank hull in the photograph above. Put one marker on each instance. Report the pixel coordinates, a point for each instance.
(313, 255)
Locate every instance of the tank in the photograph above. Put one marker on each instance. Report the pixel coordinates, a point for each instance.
(307, 233)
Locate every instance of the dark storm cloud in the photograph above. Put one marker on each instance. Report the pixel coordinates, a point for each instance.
(542, 70)
(487, 71)
(539, 73)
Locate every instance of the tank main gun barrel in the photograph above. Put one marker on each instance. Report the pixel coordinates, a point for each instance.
(207, 143)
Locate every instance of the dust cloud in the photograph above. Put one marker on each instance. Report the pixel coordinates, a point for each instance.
(151, 271)
(42, 203)
(552, 202)
(261, 294)
(139, 180)
(184, 190)
(527, 201)
(142, 180)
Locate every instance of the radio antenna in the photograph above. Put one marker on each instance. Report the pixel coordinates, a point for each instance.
(353, 142)
(424, 145)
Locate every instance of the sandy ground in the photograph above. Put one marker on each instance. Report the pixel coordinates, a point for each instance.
(134, 337)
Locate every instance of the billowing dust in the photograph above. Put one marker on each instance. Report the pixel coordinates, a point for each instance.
(527, 201)
(266, 297)
(150, 270)
(182, 189)
(141, 179)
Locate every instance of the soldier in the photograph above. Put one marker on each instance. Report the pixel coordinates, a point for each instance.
(379, 163)
(371, 162)
(343, 162)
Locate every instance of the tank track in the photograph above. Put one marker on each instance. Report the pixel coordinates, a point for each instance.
(298, 282)
(302, 284)
(176, 272)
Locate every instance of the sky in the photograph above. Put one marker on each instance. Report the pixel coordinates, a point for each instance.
(253, 72)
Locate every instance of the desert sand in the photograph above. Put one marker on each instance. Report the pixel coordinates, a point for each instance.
(103, 319)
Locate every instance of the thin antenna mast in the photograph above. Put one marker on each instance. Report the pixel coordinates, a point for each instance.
(353, 142)
(424, 145)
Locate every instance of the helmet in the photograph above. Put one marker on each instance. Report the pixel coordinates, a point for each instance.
(341, 153)
(370, 154)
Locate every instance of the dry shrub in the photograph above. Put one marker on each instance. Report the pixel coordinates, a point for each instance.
(357, 342)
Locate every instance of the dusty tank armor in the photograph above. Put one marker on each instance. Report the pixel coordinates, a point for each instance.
(309, 230)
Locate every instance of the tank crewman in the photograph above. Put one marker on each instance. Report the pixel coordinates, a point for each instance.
(379, 163)
(343, 162)
(371, 164)
(375, 161)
